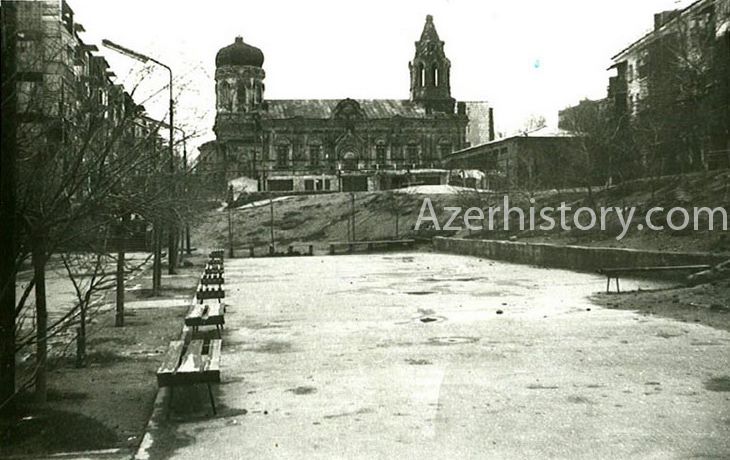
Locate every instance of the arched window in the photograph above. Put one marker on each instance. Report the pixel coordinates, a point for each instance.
(381, 153)
(315, 153)
(225, 96)
(421, 75)
(349, 161)
(241, 96)
(444, 148)
(435, 71)
(282, 154)
(258, 94)
(412, 153)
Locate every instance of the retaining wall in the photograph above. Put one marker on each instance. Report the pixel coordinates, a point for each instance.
(581, 258)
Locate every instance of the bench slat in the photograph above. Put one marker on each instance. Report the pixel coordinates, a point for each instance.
(195, 314)
(213, 363)
(193, 359)
(172, 358)
(194, 367)
(619, 270)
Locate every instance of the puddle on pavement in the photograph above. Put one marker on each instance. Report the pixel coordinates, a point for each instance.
(364, 410)
(431, 319)
(434, 279)
(720, 384)
(418, 362)
(541, 387)
(303, 390)
(452, 340)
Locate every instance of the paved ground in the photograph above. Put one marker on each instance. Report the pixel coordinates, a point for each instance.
(406, 356)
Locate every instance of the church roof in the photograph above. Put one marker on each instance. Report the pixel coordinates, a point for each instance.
(324, 108)
(239, 54)
(429, 31)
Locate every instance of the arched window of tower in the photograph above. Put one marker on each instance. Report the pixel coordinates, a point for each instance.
(422, 74)
(435, 75)
(241, 96)
(225, 96)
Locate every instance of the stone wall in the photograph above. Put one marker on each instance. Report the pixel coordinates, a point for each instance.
(581, 258)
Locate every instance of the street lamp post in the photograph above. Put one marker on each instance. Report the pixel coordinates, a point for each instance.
(185, 173)
(172, 256)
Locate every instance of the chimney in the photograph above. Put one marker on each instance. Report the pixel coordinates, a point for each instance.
(664, 17)
(491, 124)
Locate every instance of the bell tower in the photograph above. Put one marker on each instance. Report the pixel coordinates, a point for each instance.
(239, 78)
(430, 72)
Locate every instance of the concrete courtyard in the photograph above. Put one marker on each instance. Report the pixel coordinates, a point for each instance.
(423, 355)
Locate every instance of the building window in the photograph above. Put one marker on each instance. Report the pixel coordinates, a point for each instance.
(315, 152)
(241, 96)
(444, 149)
(298, 154)
(435, 72)
(308, 184)
(396, 153)
(422, 75)
(349, 161)
(412, 153)
(380, 154)
(282, 155)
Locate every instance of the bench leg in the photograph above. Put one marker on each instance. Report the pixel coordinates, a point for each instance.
(618, 289)
(212, 402)
(608, 284)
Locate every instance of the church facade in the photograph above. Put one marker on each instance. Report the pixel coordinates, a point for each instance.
(338, 145)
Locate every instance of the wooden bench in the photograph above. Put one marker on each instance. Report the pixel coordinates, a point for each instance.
(208, 292)
(350, 245)
(310, 250)
(206, 314)
(213, 269)
(618, 272)
(198, 362)
(212, 278)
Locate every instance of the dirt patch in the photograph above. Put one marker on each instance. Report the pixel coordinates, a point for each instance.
(706, 304)
(47, 431)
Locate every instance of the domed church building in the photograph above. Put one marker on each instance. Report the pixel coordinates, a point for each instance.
(338, 145)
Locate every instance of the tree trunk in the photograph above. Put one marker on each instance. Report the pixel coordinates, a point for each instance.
(39, 274)
(172, 250)
(119, 317)
(7, 210)
(156, 260)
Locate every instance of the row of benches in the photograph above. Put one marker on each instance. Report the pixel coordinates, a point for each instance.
(195, 359)
(334, 246)
(369, 245)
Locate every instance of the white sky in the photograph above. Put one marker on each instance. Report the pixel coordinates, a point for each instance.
(523, 56)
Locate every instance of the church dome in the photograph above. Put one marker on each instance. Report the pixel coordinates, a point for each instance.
(239, 53)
